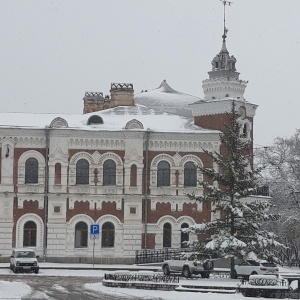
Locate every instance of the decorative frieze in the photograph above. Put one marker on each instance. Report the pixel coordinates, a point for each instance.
(194, 146)
(83, 143)
(95, 203)
(176, 204)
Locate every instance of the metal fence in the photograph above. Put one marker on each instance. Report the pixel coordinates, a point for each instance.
(142, 277)
(158, 255)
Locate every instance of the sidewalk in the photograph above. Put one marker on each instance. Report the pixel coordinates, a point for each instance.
(67, 266)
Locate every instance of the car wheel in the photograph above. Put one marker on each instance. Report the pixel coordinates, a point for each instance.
(36, 271)
(234, 274)
(166, 270)
(254, 273)
(14, 269)
(208, 265)
(186, 272)
(205, 275)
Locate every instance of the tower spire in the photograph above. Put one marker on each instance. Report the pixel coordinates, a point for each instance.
(223, 65)
(223, 78)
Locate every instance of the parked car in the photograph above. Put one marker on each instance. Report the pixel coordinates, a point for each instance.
(24, 259)
(255, 267)
(188, 266)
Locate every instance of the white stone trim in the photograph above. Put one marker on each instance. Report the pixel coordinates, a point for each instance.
(39, 230)
(71, 232)
(119, 234)
(21, 166)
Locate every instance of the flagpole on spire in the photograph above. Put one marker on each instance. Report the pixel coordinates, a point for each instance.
(225, 2)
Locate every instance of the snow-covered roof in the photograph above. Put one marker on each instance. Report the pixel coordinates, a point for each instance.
(136, 117)
(166, 99)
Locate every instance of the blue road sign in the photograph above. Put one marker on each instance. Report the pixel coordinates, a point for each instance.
(95, 229)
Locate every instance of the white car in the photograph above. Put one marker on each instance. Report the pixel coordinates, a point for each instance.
(24, 259)
(255, 267)
(188, 266)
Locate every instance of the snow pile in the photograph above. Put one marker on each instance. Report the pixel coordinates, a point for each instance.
(15, 290)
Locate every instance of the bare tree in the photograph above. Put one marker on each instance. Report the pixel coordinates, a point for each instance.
(282, 173)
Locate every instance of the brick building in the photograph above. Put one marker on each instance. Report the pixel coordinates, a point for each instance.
(121, 165)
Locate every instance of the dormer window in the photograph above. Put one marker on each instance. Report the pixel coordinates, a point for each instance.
(95, 119)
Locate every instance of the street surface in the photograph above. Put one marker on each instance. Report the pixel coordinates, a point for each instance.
(60, 287)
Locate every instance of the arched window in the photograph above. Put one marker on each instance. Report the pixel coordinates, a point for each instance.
(190, 174)
(81, 235)
(109, 172)
(108, 235)
(163, 174)
(82, 171)
(184, 236)
(246, 130)
(31, 170)
(29, 235)
(167, 235)
(57, 179)
(133, 175)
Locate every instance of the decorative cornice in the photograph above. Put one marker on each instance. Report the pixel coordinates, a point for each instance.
(222, 106)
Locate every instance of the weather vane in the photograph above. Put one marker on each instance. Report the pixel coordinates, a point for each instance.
(225, 3)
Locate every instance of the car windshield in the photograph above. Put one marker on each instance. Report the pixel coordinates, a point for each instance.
(268, 264)
(253, 263)
(29, 254)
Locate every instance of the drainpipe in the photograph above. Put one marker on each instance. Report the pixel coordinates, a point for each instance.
(46, 191)
(146, 184)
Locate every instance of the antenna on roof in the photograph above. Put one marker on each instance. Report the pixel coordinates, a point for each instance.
(225, 29)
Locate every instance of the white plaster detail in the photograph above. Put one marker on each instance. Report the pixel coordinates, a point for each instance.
(134, 124)
(39, 230)
(59, 123)
(41, 169)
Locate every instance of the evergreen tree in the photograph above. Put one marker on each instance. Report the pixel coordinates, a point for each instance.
(235, 229)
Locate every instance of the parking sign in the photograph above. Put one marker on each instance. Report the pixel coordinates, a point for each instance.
(95, 229)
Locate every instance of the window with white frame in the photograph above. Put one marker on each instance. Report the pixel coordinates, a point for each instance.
(109, 172)
(190, 174)
(82, 171)
(29, 234)
(184, 235)
(81, 235)
(163, 174)
(108, 235)
(167, 235)
(31, 170)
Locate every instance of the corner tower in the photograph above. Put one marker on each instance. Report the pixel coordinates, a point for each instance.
(221, 89)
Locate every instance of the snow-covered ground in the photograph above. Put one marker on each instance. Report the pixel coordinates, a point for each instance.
(16, 289)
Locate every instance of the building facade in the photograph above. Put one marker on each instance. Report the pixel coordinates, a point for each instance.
(120, 165)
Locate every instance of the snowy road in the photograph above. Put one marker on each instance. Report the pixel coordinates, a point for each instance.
(60, 288)
(66, 284)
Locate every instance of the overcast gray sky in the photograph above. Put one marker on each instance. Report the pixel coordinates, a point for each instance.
(54, 51)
